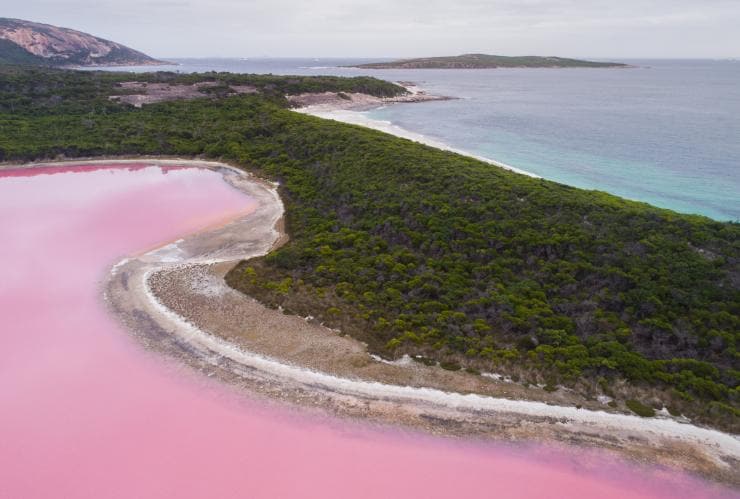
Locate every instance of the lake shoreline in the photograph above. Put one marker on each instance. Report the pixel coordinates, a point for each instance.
(150, 292)
(163, 297)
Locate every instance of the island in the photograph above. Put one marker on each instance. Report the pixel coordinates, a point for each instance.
(486, 61)
(36, 44)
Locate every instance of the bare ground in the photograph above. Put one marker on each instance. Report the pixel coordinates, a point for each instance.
(141, 93)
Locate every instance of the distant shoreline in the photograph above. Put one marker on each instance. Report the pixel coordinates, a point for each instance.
(129, 64)
(487, 61)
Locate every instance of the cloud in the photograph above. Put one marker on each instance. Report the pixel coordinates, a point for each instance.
(672, 28)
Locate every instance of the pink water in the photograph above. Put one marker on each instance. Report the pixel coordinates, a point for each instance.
(85, 412)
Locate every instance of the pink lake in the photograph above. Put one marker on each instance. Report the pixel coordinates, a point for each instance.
(85, 412)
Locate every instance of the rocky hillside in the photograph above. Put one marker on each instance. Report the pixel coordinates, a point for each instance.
(26, 42)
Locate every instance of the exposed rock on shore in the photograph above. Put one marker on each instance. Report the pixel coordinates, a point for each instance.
(332, 101)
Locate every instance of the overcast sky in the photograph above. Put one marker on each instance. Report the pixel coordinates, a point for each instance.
(379, 28)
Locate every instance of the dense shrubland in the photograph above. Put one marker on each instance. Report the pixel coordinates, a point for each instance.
(30, 91)
(420, 251)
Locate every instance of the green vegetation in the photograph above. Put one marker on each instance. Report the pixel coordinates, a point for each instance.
(10, 53)
(420, 251)
(482, 61)
(640, 409)
(58, 92)
(673, 411)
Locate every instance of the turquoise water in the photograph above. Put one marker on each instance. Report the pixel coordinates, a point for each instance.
(667, 134)
(663, 132)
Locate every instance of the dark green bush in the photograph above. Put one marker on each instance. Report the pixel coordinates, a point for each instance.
(640, 409)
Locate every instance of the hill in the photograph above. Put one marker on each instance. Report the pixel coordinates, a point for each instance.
(30, 43)
(11, 53)
(484, 61)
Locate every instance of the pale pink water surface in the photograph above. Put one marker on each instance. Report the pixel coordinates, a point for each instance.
(86, 412)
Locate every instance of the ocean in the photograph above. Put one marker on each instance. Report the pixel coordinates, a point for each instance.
(666, 132)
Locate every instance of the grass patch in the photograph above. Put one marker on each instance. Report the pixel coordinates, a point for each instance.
(450, 365)
(640, 409)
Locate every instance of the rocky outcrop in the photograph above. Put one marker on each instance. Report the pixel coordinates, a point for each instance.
(313, 102)
(26, 42)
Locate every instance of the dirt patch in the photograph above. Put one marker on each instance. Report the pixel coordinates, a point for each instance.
(139, 93)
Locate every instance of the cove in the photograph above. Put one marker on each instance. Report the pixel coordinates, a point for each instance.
(85, 411)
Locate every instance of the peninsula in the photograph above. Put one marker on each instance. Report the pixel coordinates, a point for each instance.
(424, 253)
(485, 61)
(402, 283)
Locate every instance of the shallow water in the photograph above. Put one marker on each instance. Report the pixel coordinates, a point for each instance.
(86, 412)
(663, 132)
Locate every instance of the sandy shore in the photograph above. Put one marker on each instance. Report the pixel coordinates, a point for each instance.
(352, 111)
(332, 101)
(175, 301)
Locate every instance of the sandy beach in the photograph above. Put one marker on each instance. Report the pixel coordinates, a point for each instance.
(332, 107)
(175, 301)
